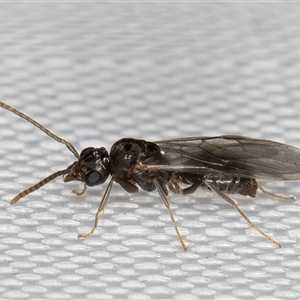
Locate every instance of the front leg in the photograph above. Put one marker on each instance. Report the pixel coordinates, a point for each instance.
(79, 193)
(100, 209)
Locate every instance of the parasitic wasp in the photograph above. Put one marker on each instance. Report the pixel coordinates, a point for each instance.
(226, 164)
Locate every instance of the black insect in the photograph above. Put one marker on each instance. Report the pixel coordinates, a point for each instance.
(224, 164)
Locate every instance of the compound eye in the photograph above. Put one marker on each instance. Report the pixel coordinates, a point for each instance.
(94, 178)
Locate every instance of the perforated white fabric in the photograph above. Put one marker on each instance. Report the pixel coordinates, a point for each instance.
(95, 72)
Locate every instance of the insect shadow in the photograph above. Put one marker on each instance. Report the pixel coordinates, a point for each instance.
(224, 164)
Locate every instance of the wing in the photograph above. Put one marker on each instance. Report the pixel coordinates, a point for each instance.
(228, 155)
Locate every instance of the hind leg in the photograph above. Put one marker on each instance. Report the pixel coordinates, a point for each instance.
(275, 195)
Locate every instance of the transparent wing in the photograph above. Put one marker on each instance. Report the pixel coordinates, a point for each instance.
(228, 155)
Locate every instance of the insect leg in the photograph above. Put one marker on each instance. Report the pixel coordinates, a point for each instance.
(79, 193)
(275, 195)
(163, 196)
(100, 209)
(230, 201)
(176, 188)
(38, 185)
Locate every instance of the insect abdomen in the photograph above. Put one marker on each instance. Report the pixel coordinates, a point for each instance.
(232, 185)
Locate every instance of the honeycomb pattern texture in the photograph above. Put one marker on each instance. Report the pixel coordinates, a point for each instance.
(96, 72)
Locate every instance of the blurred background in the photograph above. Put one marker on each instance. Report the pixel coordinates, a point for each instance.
(96, 72)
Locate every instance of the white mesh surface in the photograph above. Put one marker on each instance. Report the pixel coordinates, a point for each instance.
(95, 72)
